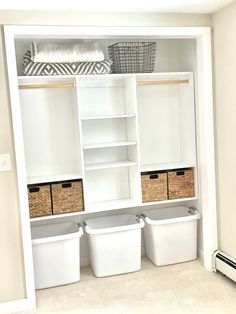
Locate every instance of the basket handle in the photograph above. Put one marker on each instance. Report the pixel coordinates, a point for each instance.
(66, 185)
(34, 189)
(180, 173)
(153, 176)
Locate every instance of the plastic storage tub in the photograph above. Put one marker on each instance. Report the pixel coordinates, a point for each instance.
(56, 254)
(114, 244)
(170, 235)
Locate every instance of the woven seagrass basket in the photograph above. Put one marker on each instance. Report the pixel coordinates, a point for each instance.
(154, 186)
(39, 200)
(67, 197)
(180, 183)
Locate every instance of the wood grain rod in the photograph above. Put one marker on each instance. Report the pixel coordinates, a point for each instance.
(49, 85)
(159, 82)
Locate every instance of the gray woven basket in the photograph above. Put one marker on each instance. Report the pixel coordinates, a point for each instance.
(132, 57)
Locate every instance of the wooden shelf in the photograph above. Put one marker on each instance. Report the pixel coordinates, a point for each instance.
(109, 144)
(177, 200)
(121, 116)
(107, 165)
(109, 205)
(166, 166)
(52, 178)
(53, 217)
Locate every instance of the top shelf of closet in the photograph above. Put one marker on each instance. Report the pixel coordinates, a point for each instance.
(141, 78)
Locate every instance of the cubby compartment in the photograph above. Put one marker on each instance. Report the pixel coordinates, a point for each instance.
(112, 188)
(110, 157)
(108, 131)
(166, 118)
(50, 129)
(105, 97)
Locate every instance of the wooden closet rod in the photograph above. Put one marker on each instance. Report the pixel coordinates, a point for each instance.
(48, 85)
(156, 82)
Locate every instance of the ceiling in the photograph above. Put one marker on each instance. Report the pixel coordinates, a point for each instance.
(155, 6)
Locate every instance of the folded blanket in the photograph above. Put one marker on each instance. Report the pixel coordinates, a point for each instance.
(54, 53)
(31, 68)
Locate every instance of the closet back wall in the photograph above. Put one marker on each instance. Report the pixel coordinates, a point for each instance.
(11, 270)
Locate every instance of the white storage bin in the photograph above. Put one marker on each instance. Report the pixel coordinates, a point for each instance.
(170, 235)
(114, 244)
(56, 254)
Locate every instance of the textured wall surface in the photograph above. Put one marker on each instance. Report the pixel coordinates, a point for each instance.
(224, 29)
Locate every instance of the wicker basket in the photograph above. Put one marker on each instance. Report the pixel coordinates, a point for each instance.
(132, 57)
(154, 186)
(180, 183)
(39, 200)
(67, 197)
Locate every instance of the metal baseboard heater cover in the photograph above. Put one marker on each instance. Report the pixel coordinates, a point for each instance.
(224, 263)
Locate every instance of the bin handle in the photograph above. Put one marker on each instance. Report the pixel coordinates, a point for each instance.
(81, 231)
(193, 210)
(141, 220)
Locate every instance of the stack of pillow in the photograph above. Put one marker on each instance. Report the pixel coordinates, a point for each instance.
(56, 59)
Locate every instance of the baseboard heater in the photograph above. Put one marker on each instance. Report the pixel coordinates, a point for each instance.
(224, 263)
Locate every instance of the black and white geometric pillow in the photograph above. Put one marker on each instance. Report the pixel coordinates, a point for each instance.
(31, 68)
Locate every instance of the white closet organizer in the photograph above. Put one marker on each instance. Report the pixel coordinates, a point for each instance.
(107, 130)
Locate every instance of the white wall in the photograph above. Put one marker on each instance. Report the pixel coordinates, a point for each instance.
(224, 28)
(11, 270)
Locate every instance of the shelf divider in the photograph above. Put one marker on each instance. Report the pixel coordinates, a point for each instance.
(107, 165)
(108, 117)
(109, 144)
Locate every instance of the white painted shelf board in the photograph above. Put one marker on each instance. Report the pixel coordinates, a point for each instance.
(52, 217)
(106, 165)
(109, 144)
(121, 116)
(107, 76)
(177, 200)
(109, 205)
(166, 166)
(53, 178)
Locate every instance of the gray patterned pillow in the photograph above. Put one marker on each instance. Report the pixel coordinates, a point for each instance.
(31, 68)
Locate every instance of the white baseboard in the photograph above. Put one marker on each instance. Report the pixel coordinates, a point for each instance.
(17, 306)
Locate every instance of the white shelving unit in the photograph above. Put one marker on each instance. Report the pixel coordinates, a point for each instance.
(107, 130)
(110, 141)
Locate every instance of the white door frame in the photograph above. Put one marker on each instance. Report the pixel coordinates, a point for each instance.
(205, 136)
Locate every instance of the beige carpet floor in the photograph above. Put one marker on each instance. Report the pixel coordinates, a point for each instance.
(186, 288)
